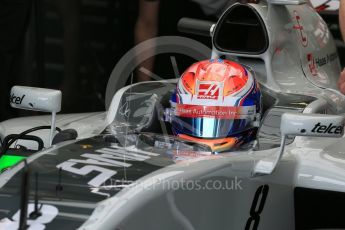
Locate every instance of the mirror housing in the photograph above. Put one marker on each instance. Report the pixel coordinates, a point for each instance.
(311, 125)
(37, 99)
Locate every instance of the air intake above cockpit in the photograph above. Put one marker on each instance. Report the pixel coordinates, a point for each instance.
(241, 30)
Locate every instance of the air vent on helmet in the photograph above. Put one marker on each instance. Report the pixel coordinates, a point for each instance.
(241, 30)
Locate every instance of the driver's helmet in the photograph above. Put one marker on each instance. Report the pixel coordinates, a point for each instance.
(217, 103)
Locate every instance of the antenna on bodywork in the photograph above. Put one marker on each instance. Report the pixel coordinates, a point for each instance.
(24, 202)
(37, 211)
(59, 187)
(25, 190)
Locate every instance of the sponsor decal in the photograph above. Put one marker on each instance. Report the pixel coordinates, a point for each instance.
(49, 213)
(209, 90)
(321, 33)
(16, 99)
(315, 62)
(311, 64)
(300, 28)
(7, 161)
(331, 129)
(325, 5)
(104, 162)
(219, 112)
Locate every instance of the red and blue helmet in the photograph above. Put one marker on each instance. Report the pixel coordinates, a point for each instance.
(216, 102)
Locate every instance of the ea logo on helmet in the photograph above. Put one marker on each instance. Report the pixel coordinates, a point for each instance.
(208, 90)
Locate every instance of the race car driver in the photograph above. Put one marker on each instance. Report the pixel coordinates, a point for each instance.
(216, 103)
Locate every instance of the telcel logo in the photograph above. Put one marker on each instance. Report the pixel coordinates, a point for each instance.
(16, 100)
(331, 129)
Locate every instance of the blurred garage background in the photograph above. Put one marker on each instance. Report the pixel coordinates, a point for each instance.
(97, 34)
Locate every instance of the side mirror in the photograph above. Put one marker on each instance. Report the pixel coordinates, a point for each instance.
(37, 99)
(312, 125)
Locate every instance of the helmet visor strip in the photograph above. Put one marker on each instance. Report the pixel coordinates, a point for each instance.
(212, 121)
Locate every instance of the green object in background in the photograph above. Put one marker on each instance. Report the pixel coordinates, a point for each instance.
(8, 161)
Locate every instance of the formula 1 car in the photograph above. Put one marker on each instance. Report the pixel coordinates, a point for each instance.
(122, 169)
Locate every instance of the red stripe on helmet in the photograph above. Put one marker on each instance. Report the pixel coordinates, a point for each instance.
(218, 112)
